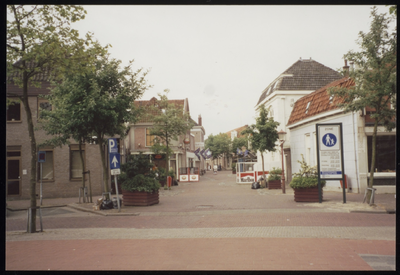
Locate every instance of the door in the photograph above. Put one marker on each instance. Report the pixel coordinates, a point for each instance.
(13, 176)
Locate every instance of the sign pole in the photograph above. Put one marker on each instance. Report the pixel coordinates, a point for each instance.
(116, 191)
(41, 183)
(343, 173)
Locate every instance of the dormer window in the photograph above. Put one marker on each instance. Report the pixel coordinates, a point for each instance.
(308, 106)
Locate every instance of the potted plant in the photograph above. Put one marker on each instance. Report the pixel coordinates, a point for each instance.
(305, 183)
(138, 182)
(233, 167)
(161, 176)
(171, 174)
(274, 178)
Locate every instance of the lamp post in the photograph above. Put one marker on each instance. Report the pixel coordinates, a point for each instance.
(282, 136)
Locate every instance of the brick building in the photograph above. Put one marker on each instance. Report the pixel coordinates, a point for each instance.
(62, 171)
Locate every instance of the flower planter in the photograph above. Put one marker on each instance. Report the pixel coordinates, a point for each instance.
(274, 184)
(307, 194)
(136, 198)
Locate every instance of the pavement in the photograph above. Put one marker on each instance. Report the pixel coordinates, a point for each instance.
(214, 224)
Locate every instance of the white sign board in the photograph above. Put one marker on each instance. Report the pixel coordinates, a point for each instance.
(330, 158)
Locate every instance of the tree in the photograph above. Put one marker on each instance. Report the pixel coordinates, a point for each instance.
(263, 134)
(169, 122)
(219, 145)
(375, 78)
(41, 41)
(97, 103)
(239, 142)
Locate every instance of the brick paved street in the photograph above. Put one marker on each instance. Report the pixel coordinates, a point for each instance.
(208, 225)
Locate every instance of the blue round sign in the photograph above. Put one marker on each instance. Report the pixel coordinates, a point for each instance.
(329, 140)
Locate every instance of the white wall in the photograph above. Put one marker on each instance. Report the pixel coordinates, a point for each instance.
(349, 148)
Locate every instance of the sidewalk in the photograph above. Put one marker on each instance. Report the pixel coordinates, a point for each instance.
(384, 203)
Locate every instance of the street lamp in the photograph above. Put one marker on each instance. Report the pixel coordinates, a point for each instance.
(282, 137)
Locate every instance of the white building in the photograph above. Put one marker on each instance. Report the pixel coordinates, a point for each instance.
(319, 107)
(300, 79)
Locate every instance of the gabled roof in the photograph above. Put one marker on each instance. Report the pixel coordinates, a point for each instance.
(318, 102)
(304, 74)
(238, 130)
(153, 102)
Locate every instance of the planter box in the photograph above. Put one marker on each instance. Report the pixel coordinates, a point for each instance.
(307, 194)
(137, 198)
(274, 184)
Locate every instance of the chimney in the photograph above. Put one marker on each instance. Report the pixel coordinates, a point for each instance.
(351, 65)
(346, 68)
(200, 121)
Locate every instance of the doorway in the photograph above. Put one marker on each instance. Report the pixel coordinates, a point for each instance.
(13, 172)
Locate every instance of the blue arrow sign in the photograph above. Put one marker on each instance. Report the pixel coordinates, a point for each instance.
(115, 161)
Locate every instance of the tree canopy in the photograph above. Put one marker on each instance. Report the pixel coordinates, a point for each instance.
(374, 74)
(219, 145)
(97, 103)
(169, 122)
(40, 41)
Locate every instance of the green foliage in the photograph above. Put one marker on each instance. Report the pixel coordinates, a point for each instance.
(171, 173)
(307, 176)
(305, 182)
(263, 134)
(137, 174)
(41, 41)
(275, 174)
(219, 145)
(96, 103)
(162, 174)
(239, 142)
(375, 77)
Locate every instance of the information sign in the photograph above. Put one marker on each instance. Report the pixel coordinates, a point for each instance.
(330, 153)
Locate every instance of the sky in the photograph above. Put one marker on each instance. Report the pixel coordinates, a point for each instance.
(222, 57)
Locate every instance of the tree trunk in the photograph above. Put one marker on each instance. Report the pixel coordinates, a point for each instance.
(32, 185)
(103, 162)
(262, 161)
(83, 166)
(372, 170)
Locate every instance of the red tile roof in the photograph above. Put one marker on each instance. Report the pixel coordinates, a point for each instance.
(152, 102)
(319, 101)
(238, 130)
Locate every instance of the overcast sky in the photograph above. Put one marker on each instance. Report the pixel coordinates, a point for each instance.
(222, 57)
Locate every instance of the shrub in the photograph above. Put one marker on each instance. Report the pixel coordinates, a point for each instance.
(137, 174)
(307, 176)
(275, 174)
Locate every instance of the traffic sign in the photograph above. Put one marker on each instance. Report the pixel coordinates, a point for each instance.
(115, 161)
(112, 145)
(42, 156)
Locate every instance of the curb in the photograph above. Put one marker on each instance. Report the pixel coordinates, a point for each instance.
(43, 206)
(100, 211)
(370, 212)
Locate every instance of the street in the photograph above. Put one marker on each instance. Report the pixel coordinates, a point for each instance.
(214, 224)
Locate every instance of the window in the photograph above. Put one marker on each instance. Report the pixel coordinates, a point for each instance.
(149, 138)
(47, 166)
(308, 148)
(385, 153)
(43, 104)
(75, 161)
(308, 106)
(331, 99)
(14, 110)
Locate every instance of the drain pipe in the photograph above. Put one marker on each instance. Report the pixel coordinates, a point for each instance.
(355, 154)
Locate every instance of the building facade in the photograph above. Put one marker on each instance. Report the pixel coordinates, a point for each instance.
(139, 140)
(62, 170)
(279, 97)
(319, 107)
